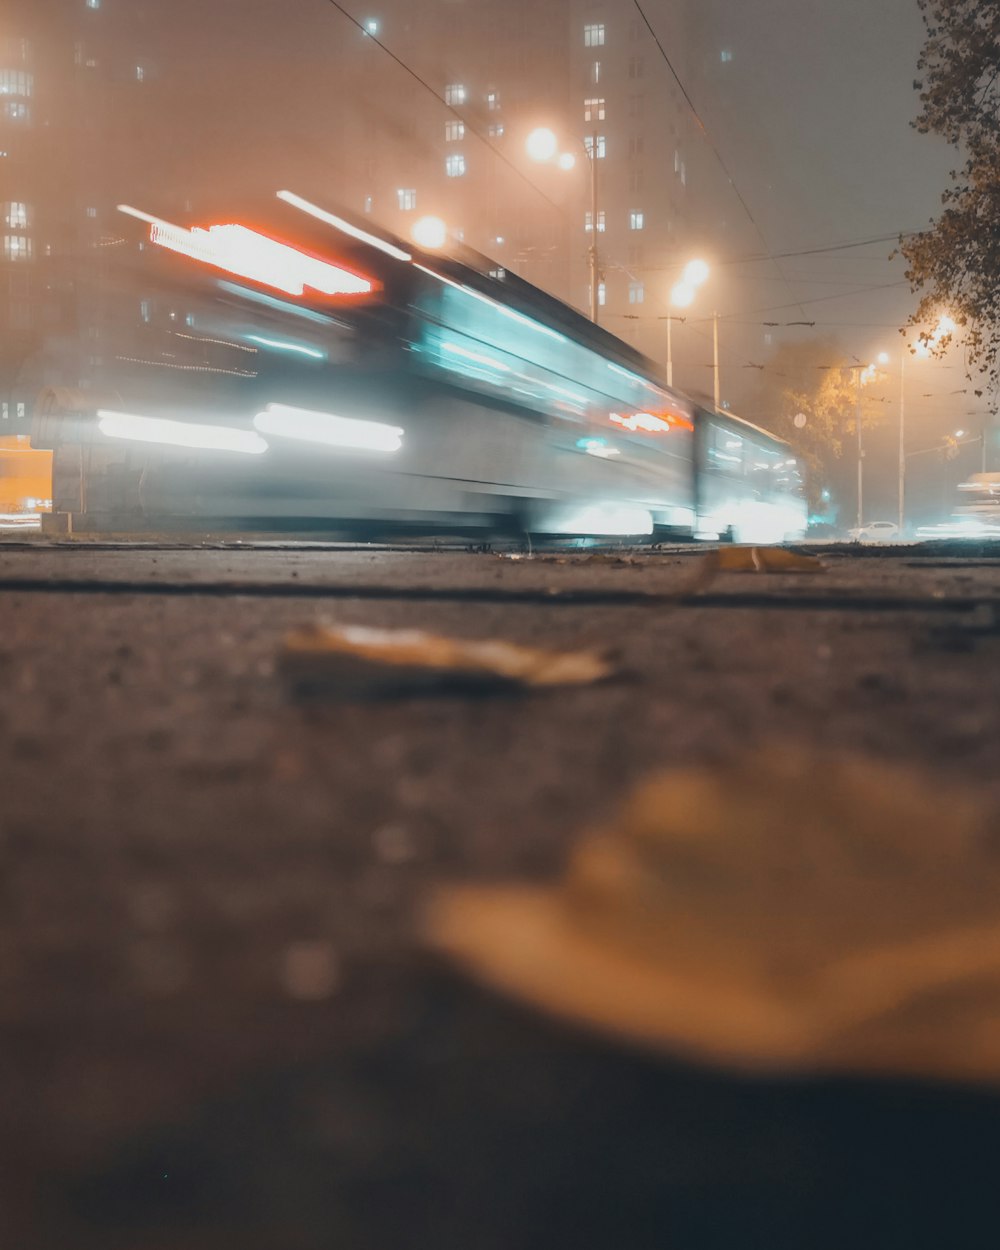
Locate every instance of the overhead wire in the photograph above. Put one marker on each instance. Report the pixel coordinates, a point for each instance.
(768, 255)
(497, 152)
(710, 142)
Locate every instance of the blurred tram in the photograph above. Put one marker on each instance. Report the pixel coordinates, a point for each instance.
(303, 371)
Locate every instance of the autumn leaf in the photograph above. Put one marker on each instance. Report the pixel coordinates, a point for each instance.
(749, 560)
(361, 659)
(789, 911)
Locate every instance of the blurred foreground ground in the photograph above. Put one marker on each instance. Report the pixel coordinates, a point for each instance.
(218, 1031)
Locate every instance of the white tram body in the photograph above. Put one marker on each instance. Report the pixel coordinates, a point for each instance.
(307, 372)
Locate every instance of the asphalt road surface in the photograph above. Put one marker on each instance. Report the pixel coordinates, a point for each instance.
(219, 1032)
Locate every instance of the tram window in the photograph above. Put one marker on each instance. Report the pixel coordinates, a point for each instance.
(725, 452)
(762, 467)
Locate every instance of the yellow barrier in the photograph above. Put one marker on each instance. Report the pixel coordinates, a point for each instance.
(25, 476)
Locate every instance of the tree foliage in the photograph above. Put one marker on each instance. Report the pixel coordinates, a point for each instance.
(817, 380)
(955, 265)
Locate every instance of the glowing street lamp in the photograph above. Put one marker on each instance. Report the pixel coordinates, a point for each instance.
(542, 146)
(945, 327)
(682, 296)
(429, 233)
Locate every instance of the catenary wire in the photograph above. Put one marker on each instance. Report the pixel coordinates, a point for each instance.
(451, 109)
(713, 147)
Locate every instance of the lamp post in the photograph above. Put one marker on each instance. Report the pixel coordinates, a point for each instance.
(862, 374)
(542, 146)
(715, 360)
(943, 330)
(861, 452)
(682, 296)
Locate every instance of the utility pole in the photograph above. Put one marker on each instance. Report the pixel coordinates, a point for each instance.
(861, 453)
(902, 444)
(594, 265)
(715, 366)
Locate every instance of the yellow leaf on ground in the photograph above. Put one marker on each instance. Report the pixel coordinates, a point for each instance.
(360, 659)
(787, 912)
(750, 560)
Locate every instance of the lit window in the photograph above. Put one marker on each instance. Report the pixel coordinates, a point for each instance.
(15, 215)
(21, 411)
(91, 213)
(602, 146)
(17, 247)
(15, 50)
(677, 161)
(16, 82)
(636, 293)
(493, 100)
(371, 26)
(495, 130)
(454, 166)
(726, 56)
(454, 93)
(454, 131)
(369, 203)
(93, 4)
(407, 198)
(16, 112)
(595, 72)
(588, 222)
(635, 67)
(593, 110)
(5, 410)
(140, 74)
(636, 221)
(602, 293)
(593, 35)
(145, 310)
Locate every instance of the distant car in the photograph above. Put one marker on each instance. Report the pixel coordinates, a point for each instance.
(875, 532)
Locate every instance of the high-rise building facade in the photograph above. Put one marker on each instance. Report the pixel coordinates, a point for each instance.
(590, 72)
(72, 117)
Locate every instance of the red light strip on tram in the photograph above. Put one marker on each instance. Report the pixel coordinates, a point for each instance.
(246, 254)
(651, 422)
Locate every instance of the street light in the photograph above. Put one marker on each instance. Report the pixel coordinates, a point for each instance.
(922, 350)
(429, 233)
(863, 374)
(542, 146)
(682, 296)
